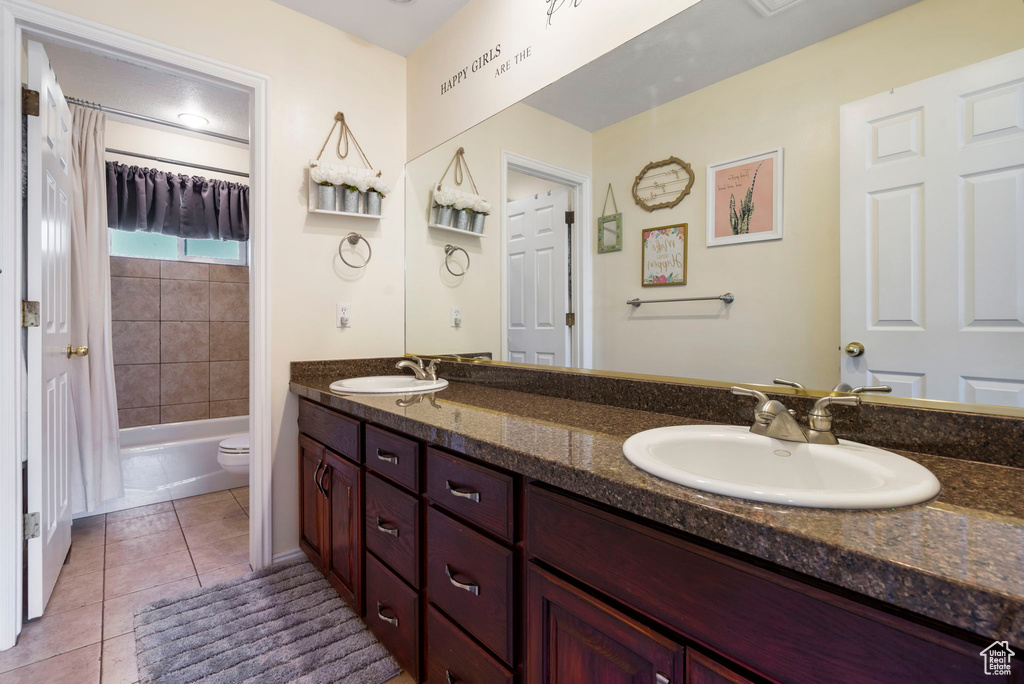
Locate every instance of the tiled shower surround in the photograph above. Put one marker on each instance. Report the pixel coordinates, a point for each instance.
(181, 340)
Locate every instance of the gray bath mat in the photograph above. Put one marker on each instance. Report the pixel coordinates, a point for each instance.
(279, 624)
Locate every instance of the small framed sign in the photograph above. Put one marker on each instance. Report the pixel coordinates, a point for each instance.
(664, 256)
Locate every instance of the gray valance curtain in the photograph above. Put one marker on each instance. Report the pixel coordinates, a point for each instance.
(141, 199)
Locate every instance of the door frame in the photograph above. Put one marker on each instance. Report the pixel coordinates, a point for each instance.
(20, 18)
(579, 185)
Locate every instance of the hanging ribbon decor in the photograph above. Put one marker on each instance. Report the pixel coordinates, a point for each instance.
(344, 138)
(609, 226)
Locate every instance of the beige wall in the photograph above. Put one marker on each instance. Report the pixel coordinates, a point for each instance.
(432, 291)
(578, 33)
(312, 76)
(521, 186)
(785, 321)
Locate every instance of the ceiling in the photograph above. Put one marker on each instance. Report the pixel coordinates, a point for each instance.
(150, 92)
(708, 42)
(397, 27)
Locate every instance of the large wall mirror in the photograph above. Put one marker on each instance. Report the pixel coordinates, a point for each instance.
(857, 188)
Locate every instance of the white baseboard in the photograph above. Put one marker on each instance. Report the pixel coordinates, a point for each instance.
(294, 554)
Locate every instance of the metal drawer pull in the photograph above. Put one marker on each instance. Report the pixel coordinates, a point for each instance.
(473, 589)
(660, 678)
(393, 531)
(385, 456)
(464, 493)
(450, 678)
(316, 480)
(385, 618)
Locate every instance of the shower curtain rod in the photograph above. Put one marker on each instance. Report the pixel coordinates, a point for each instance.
(153, 120)
(176, 162)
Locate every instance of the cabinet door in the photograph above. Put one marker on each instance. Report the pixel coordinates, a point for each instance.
(344, 551)
(575, 639)
(312, 461)
(702, 670)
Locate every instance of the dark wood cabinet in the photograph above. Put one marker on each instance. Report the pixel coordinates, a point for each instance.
(575, 639)
(312, 457)
(703, 670)
(343, 554)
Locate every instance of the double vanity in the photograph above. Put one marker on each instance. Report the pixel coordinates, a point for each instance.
(525, 525)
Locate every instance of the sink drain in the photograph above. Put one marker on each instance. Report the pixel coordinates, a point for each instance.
(783, 452)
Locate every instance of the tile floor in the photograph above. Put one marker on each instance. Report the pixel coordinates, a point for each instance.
(119, 561)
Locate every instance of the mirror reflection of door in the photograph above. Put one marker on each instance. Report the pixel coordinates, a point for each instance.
(537, 276)
(932, 236)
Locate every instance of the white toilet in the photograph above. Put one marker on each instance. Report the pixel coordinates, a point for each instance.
(233, 454)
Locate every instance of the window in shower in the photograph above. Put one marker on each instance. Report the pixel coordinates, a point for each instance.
(143, 245)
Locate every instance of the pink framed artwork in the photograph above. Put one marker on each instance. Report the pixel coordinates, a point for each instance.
(745, 199)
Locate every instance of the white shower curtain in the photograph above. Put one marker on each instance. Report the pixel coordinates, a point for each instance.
(96, 463)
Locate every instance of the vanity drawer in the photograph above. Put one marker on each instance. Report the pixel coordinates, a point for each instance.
(452, 656)
(482, 496)
(393, 527)
(773, 624)
(328, 427)
(393, 614)
(471, 579)
(396, 458)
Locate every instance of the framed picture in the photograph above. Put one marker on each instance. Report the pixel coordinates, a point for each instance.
(663, 256)
(609, 233)
(745, 199)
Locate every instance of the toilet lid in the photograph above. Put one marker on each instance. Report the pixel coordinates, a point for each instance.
(239, 444)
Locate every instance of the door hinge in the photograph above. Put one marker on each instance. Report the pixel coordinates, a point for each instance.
(30, 314)
(570, 319)
(570, 218)
(29, 102)
(31, 526)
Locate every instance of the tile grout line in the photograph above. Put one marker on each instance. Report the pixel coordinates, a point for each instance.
(103, 603)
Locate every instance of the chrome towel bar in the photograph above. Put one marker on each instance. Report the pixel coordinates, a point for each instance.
(728, 298)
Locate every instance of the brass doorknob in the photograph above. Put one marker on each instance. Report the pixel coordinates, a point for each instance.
(854, 349)
(77, 351)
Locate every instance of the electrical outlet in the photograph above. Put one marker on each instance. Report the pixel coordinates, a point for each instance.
(456, 316)
(342, 318)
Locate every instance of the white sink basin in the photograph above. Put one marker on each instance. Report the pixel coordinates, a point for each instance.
(730, 460)
(387, 384)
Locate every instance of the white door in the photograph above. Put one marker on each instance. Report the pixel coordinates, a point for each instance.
(932, 236)
(538, 280)
(48, 272)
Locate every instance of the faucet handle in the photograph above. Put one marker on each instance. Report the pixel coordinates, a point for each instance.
(788, 383)
(876, 388)
(761, 397)
(821, 405)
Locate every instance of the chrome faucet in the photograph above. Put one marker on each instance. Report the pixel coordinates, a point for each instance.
(428, 372)
(772, 419)
(845, 387)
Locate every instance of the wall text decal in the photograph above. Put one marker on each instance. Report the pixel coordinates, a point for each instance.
(555, 5)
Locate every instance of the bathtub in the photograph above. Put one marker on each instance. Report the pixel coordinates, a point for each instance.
(174, 461)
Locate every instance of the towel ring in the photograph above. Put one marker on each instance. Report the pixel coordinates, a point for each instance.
(353, 239)
(448, 251)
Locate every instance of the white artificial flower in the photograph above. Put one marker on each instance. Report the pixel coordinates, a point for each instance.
(463, 200)
(320, 174)
(444, 196)
(378, 184)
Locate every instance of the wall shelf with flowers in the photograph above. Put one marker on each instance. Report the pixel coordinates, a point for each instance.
(456, 210)
(342, 190)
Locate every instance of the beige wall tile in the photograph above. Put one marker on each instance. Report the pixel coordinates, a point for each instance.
(229, 274)
(229, 407)
(184, 341)
(184, 270)
(136, 342)
(51, 636)
(184, 383)
(229, 341)
(229, 380)
(184, 300)
(137, 386)
(136, 417)
(81, 666)
(179, 413)
(134, 299)
(134, 268)
(229, 302)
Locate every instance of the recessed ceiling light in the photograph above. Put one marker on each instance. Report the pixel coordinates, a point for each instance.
(193, 120)
(403, 2)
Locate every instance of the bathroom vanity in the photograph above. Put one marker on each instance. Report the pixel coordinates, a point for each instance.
(494, 535)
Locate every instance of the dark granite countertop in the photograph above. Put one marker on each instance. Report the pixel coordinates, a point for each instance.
(958, 559)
